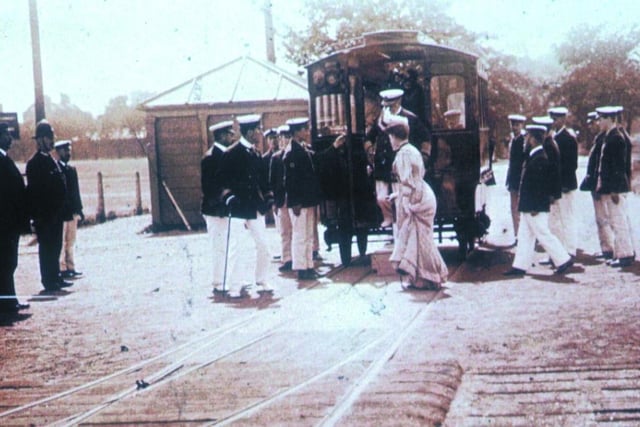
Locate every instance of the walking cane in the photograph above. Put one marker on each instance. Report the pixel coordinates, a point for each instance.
(226, 252)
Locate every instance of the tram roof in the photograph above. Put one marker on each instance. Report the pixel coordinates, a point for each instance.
(399, 40)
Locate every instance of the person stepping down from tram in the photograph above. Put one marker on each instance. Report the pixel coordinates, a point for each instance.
(276, 180)
(419, 136)
(589, 183)
(613, 185)
(536, 193)
(415, 253)
(563, 223)
(516, 160)
(215, 212)
(245, 191)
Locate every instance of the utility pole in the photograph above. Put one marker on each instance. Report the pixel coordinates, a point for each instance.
(269, 31)
(37, 63)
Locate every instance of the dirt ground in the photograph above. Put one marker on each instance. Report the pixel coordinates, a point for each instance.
(350, 349)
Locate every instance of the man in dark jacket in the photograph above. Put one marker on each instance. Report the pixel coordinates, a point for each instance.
(514, 170)
(46, 192)
(13, 222)
(213, 209)
(72, 211)
(245, 191)
(276, 181)
(536, 192)
(564, 225)
(613, 185)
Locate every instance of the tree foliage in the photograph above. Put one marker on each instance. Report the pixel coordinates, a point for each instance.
(121, 119)
(331, 24)
(68, 120)
(602, 68)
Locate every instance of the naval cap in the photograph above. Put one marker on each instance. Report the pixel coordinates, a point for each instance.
(391, 94)
(222, 125)
(283, 129)
(270, 132)
(535, 128)
(542, 120)
(452, 112)
(43, 128)
(607, 111)
(297, 123)
(620, 108)
(516, 117)
(591, 116)
(249, 119)
(558, 111)
(62, 143)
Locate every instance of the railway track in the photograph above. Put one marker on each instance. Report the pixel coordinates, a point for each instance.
(85, 403)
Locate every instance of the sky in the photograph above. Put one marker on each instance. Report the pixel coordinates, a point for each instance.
(95, 50)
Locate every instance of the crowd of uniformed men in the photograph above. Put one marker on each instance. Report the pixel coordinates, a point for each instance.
(50, 203)
(240, 185)
(541, 179)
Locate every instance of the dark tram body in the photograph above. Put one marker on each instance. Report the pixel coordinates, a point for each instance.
(344, 88)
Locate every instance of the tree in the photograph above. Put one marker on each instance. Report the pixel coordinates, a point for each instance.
(602, 68)
(121, 119)
(332, 24)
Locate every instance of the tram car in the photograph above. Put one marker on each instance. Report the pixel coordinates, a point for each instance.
(446, 88)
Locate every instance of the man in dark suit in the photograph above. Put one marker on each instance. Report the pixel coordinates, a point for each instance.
(613, 186)
(302, 189)
(72, 211)
(514, 170)
(276, 182)
(13, 222)
(589, 183)
(215, 212)
(536, 192)
(46, 191)
(245, 191)
(564, 224)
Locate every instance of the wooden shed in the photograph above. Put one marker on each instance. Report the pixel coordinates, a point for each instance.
(178, 121)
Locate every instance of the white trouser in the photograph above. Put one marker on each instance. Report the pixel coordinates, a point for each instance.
(534, 228)
(302, 242)
(217, 231)
(514, 197)
(605, 232)
(283, 221)
(69, 232)
(562, 221)
(382, 193)
(618, 218)
(316, 238)
(257, 230)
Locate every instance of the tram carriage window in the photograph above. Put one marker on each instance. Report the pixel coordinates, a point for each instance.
(447, 102)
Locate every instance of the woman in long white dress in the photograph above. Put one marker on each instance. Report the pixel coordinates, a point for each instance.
(415, 253)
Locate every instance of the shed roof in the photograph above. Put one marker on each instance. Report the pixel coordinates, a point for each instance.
(243, 79)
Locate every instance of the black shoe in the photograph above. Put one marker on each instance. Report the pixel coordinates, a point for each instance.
(604, 255)
(564, 267)
(286, 266)
(316, 256)
(63, 284)
(308, 274)
(518, 272)
(622, 262)
(52, 288)
(546, 262)
(66, 274)
(75, 273)
(22, 306)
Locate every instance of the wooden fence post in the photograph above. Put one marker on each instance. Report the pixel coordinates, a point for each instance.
(100, 215)
(138, 210)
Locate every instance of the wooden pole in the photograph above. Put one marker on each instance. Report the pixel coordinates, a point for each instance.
(100, 216)
(37, 62)
(138, 195)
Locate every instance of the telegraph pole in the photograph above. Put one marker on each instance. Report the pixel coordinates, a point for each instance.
(37, 63)
(269, 31)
